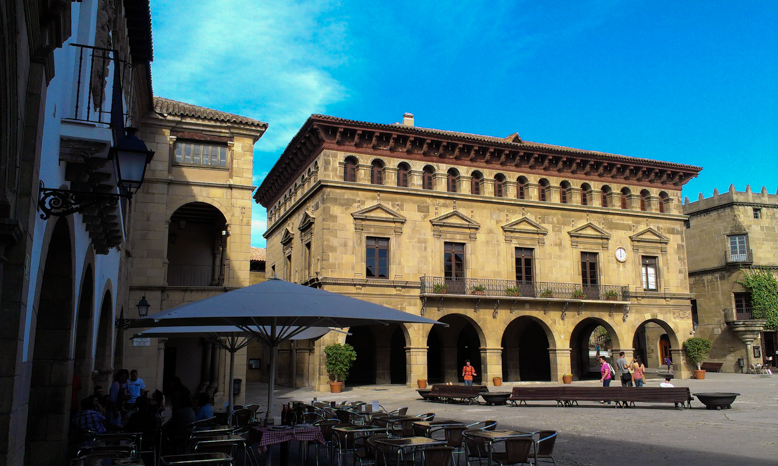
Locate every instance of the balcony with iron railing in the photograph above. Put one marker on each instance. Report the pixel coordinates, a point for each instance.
(746, 257)
(735, 314)
(545, 291)
(99, 90)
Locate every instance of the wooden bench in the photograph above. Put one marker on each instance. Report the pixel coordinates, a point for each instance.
(712, 366)
(567, 395)
(460, 393)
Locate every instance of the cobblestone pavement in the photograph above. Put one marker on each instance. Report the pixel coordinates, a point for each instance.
(595, 434)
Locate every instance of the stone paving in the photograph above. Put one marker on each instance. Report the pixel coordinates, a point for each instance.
(595, 434)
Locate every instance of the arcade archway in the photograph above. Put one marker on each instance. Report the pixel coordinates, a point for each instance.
(381, 355)
(653, 341)
(450, 347)
(591, 338)
(525, 355)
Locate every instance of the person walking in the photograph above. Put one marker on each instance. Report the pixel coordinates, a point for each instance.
(468, 372)
(623, 367)
(606, 372)
(135, 387)
(638, 372)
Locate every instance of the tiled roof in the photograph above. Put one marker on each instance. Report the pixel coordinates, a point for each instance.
(258, 254)
(172, 107)
(512, 140)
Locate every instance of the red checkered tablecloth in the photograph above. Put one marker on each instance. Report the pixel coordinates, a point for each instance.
(267, 436)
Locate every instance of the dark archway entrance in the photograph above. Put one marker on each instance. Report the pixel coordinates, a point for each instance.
(104, 347)
(48, 418)
(652, 342)
(197, 242)
(397, 362)
(590, 339)
(82, 365)
(449, 347)
(525, 353)
(363, 371)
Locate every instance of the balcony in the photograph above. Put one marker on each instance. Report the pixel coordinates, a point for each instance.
(545, 291)
(746, 257)
(738, 314)
(742, 322)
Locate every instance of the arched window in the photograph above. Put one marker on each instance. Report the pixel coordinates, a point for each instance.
(476, 183)
(644, 199)
(403, 170)
(586, 193)
(521, 188)
(452, 180)
(624, 198)
(605, 194)
(499, 185)
(564, 192)
(428, 177)
(543, 190)
(663, 198)
(377, 172)
(350, 169)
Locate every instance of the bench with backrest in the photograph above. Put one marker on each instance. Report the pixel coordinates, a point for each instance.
(455, 393)
(623, 396)
(712, 366)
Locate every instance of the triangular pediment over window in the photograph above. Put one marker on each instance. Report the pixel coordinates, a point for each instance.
(378, 213)
(524, 226)
(589, 234)
(287, 237)
(306, 221)
(455, 219)
(649, 235)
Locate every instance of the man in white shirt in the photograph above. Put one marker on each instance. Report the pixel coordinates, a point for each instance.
(666, 383)
(135, 386)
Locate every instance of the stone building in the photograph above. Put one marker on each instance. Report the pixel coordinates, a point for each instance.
(73, 77)
(191, 234)
(524, 249)
(725, 234)
(257, 266)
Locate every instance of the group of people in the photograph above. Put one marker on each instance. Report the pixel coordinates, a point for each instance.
(630, 373)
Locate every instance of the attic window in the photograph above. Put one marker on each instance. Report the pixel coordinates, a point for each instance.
(201, 154)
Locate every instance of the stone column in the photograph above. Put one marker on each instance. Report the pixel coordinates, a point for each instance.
(382, 365)
(491, 365)
(416, 363)
(679, 363)
(205, 366)
(220, 385)
(160, 364)
(560, 363)
(510, 364)
(450, 369)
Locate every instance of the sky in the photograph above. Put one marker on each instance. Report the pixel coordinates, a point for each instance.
(692, 82)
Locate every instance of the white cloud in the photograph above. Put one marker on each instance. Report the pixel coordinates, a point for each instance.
(268, 60)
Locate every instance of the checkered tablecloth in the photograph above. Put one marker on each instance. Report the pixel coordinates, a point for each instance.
(266, 436)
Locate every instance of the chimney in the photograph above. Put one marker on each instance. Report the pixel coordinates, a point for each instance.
(408, 119)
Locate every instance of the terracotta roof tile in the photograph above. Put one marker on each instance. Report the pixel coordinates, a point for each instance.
(172, 107)
(258, 254)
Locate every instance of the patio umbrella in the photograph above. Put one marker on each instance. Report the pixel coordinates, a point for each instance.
(275, 311)
(230, 338)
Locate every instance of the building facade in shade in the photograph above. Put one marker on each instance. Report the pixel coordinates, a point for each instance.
(74, 76)
(726, 234)
(537, 256)
(191, 235)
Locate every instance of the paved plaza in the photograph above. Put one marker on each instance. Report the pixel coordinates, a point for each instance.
(593, 434)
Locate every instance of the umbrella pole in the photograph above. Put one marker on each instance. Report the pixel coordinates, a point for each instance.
(272, 381)
(231, 385)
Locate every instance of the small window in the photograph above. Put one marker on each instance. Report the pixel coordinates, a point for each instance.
(589, 276)
(738, 249)
(687, 224)
(350, 169)
(402, 175)
(451, 180)
(695, 315)
(564, 192)
(543, 190)
(757, 213)
(288, 268)
(428, 177)
(308, 261)
(649, 273)
(454, 260)
(521, 188)
(644, 199)
(475, 183)
(377, 172)
(201, 154)
(625, 198)
(524, 265)
(586, 193)
(499, 186)
(606, 191)
(377, 258)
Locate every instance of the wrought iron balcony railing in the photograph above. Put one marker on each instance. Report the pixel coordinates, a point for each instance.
(94, 97)
(518, 289)
(746, 257)
(740, 313)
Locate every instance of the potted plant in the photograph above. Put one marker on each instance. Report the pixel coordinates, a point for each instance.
(567, 378)
(439, 288)
(339, 360)
(697, 349)
(479, 289)
(611, 295)
(578, 294)
(512, 290)
(547, 293)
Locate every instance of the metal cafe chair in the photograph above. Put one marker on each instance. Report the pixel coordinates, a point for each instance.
(438, 456)
(197, 459)
(518, 450)
(545, 446)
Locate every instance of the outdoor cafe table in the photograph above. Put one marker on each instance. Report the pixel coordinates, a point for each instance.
(429, 425)
(216, 458)
(109, 445)
(267, 436)
(209, 430)
(492, 436)
(353, 432)
(410, 443)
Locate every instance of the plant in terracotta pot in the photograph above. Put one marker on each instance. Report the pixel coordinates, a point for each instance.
(697, 349)
(512, 290)
(578, 294)
(497, 381)
(479, 289)
(439, 288)
(611, 295)
(422, 383)
(339, 360)
(567, 378)
(547, 293)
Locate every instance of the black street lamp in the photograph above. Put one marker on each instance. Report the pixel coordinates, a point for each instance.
(143, 311)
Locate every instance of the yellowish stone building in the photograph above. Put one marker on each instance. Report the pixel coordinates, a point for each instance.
(725, 234)
(537, 256)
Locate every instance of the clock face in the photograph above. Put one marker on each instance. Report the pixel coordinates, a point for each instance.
(621, 254)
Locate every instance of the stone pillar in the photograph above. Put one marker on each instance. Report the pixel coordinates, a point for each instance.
(213, 371)
(450, 369)
(390, 176)
(382, 367)
(491, 365)
(510, 364)
(560, 363)
(160, 363)
(679, 363)
(205, 366)
(220, 389)
(416, 363)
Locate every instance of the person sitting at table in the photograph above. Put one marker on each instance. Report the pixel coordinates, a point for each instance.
(89, 421)
(175, 430)
(204, 407)
(145, 420)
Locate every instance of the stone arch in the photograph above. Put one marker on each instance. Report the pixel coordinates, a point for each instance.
(381, 354)
(448, 348)
(172, 208)
(83, 358)
(197, 246)
(565, 192)
(583, 356)
(51, 378)
(104, 344)
(525, 343)
(646, 341)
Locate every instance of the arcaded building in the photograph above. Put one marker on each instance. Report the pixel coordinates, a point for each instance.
(726, 234)
(537, 256)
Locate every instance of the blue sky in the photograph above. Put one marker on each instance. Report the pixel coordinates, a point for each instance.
(691, 82)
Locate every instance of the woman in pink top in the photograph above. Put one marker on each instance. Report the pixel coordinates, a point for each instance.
(605, 371)
(638, 370)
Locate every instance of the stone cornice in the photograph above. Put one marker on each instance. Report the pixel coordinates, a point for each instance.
(206, 184)
(511, 155)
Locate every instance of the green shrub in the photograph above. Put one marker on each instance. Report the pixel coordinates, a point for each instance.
(697, 349)
(439, 288)
(578, 294)
(339, 360)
